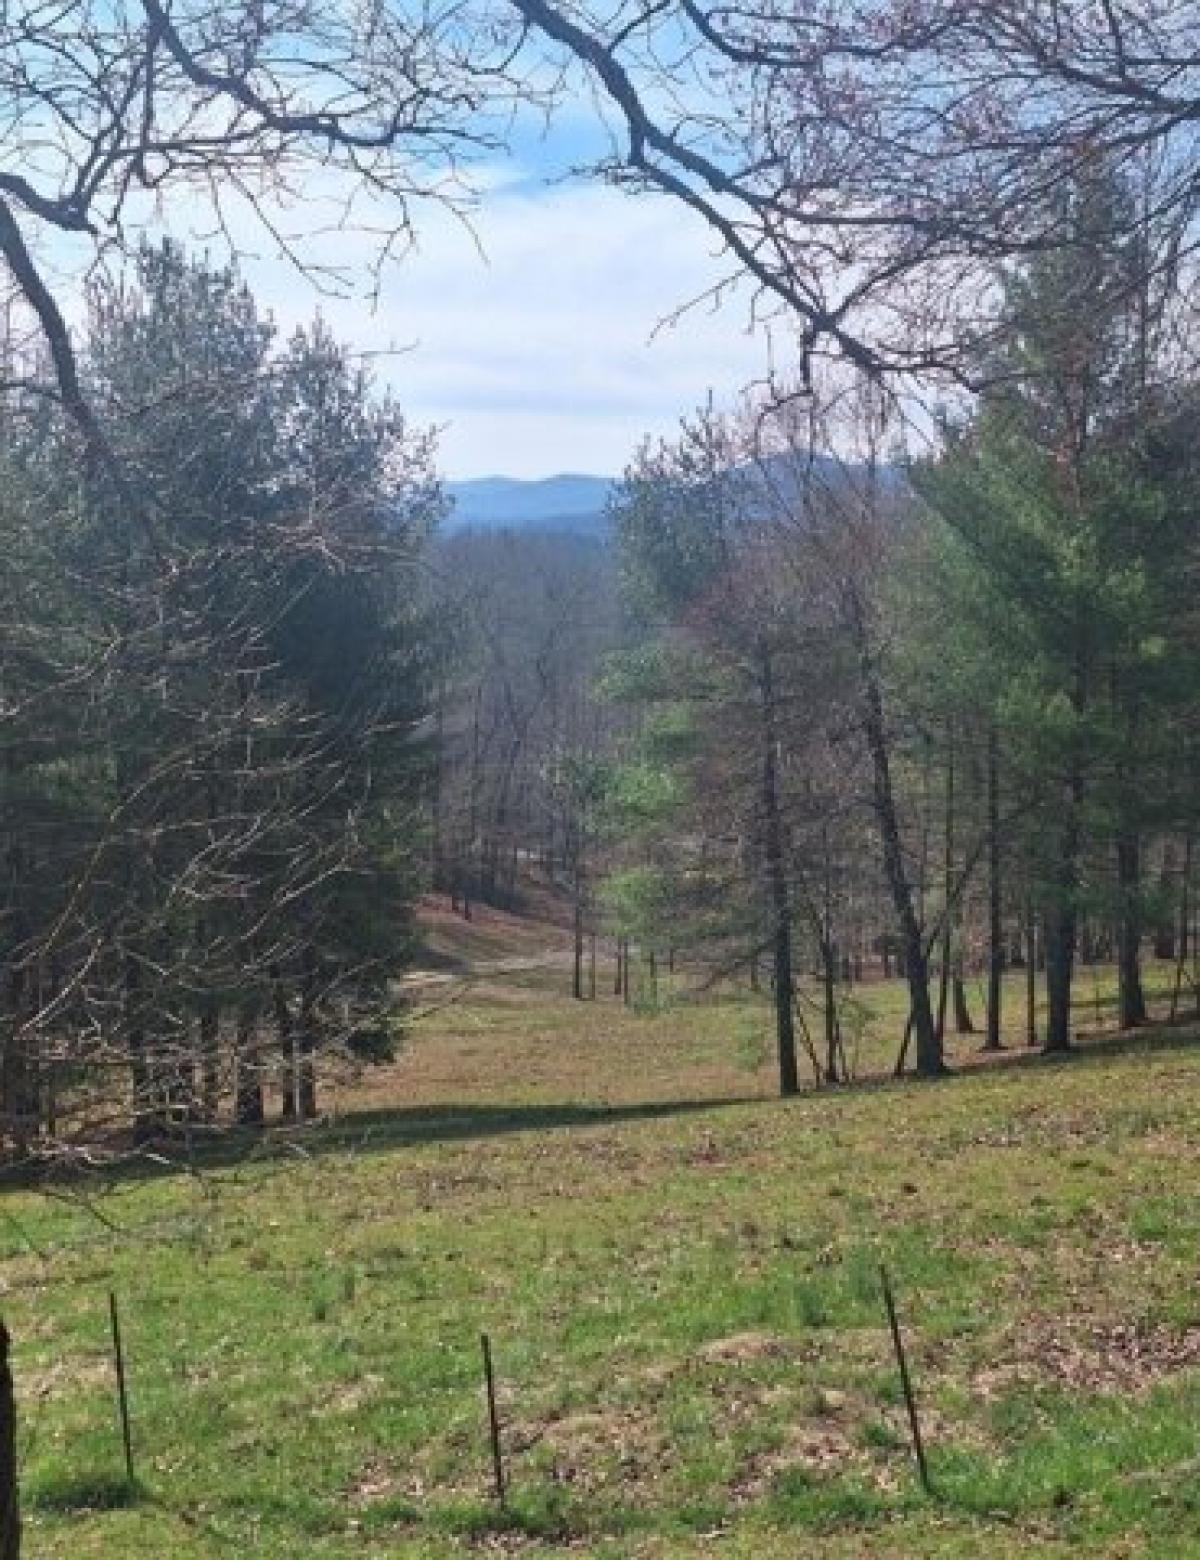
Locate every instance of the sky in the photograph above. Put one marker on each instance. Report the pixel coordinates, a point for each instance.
(538, 340)
(542, 335)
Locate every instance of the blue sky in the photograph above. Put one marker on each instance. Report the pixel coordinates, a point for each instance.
(537, 335)
(535, 339)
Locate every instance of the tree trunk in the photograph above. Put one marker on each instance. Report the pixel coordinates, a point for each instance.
(939, 1021)
(947, 893)
(1195, 957)
(437, 869)
(307, 1092)
(577, 972)
(287, 1050)
(18, 1117)
(1031, 956)
(1184, 917)
(10, 1511)
(470, 872)
(1060, 962)
(1061, 924)
(18, 1070)
(962, 1013)
(776, 865)
(145, 1115)
(1131, 999)
(992, 1040)
(249, 1109)
(1059, 928)
(210, 1059)
(929, 1050)
(829, 965)
(829, 982)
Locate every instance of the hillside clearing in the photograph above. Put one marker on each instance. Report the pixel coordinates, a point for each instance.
(679, 1275)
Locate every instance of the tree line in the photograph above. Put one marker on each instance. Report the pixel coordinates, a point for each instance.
(213, 667)
(820, 707)
(237, 729)
(957, 686)
(913, 700)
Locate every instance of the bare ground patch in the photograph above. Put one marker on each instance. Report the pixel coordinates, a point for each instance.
(68, 1378)
(1127, 1358)
(739, 1348)
(603, 1447)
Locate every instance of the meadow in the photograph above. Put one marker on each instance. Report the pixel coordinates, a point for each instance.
(679, 1276)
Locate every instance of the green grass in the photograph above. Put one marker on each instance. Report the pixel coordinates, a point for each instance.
(680, 1278)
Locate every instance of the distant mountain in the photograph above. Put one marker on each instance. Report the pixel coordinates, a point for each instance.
(565, 503)
(576, 504)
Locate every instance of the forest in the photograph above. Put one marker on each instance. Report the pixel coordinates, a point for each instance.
(833, 698)
(393, 907)
(882, 703)
(885, 662)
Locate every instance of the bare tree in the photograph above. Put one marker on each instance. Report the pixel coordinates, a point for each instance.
(108, 111)
(867, 166)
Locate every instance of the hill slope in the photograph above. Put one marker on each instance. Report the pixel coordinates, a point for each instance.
(562, 503)
(679, 1276)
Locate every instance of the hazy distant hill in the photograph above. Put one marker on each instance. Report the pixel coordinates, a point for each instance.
(576, 504)
(566, 503)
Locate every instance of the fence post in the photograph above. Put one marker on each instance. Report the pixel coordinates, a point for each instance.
(493, 1420)
(10, 1511)
(122, 1392)
(909, 1399)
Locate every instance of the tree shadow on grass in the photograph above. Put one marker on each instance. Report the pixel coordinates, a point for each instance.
(364, 1131)
(1180, 1034)
(1088, 1047)
(77, 1493)
(382, 1130)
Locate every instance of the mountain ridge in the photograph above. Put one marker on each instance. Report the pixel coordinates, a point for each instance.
(567, 501)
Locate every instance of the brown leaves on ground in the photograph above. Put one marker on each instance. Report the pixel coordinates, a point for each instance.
(623, 1447)
(633, 1446)
(741, 1347)
(1128, 1358)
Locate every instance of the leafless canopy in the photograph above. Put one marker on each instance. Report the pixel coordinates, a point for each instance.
(107, 110)
(869, 163)
(865, 165)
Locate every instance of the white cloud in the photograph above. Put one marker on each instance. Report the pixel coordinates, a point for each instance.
(547, 351)
(537, 342)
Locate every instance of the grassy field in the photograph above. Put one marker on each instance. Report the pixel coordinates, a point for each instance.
(679, 1275)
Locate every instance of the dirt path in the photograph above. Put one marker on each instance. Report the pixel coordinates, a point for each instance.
(486, 969)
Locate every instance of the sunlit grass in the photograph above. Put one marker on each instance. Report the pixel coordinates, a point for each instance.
(680, 1277)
